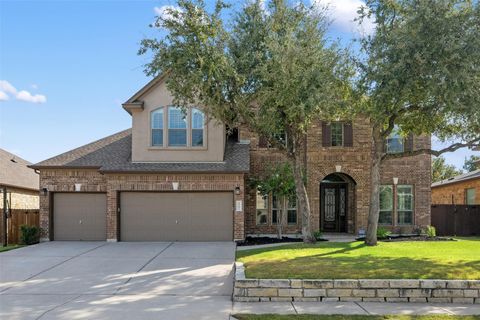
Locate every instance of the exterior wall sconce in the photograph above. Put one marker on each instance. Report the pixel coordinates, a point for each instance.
(338, 168)
(44, 192)
(78, 187)
(237, 190)
(175, 185)
(395, 181)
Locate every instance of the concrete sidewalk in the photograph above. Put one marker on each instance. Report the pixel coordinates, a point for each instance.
(355, 308)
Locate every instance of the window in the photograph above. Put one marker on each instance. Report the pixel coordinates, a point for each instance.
(337, 134)
(386, 205)
(395, 142)
(292, 211)
(262, 207)
(275, 209)
(405, 204)
(157, 127)
(177, 127)
(470, 196)
(198, 121)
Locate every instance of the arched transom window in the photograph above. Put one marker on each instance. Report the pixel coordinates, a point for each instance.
(174, 127)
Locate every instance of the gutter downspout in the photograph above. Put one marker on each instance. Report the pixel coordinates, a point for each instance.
(4, 217)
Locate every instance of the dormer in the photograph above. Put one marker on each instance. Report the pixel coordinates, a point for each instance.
(163, 132)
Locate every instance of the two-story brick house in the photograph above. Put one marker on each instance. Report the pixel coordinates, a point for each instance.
(179, 176)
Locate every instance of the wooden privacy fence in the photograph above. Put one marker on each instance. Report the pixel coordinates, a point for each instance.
(456, 220)
(19, 217)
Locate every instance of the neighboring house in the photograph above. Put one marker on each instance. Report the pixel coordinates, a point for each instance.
(21, 182)
(461, 189)
(177, 176)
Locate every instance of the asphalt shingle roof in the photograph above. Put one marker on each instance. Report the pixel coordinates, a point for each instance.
(462, 177)
(14, 172)
(113, 154)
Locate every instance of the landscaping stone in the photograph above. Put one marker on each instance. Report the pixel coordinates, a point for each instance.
(274, 283)
(350, 299)
(433, 284)
(474, 284)
(417, 300)
(388, 293)
(345, 284)
(290, 292)
(447, 293)
(462, 300)
(373, 299)
(314, 292)
(404, 283)
(415, 293)
(339, 292)
(396, 299)
(246, 283)
(471, 293)
(302, 299)
(373, 283)
(457, 284)
(363, 293)
(330, 299)
(296, 283)
(262, 292)
(318, 284)
(439, 300)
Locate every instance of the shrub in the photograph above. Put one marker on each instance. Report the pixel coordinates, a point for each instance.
(29, 234)
(383, 233)
(318, 235)
(431, 231)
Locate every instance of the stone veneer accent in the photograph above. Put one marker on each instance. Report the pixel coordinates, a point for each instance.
(367, 290)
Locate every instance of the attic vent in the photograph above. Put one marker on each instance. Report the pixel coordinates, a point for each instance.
(13, 160)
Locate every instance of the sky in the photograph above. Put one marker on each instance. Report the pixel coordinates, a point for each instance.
(66, 66)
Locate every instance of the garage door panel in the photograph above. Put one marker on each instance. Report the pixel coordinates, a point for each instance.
(79, 216)
(156, 216)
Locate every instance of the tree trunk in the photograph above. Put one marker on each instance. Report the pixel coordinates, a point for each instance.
(378, 145)
(302, 199)
(281, 216)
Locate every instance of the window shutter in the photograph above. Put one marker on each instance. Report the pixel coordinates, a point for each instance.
(408, 143)
(326, 135)
(347, 134)
(262, 142)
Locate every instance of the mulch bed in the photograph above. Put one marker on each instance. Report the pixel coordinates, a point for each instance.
(399, 238)
(251, 241)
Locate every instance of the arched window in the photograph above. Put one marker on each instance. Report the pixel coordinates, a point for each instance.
(157, 127)
(198, 122)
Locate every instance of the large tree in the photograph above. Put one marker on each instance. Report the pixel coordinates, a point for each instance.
(269, 70)
(442, 170)
(421, 73)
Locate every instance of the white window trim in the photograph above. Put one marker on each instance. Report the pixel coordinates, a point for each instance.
(188, 146)
(343, 134)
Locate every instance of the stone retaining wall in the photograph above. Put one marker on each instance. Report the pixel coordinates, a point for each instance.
(368, 290)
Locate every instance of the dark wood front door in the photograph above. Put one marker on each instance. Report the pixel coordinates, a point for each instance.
(333, 207)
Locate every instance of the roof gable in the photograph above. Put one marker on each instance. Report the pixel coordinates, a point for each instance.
(14, 172)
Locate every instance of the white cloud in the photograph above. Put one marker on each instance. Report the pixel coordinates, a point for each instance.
(3, 96)
(7, 90)
(28, 97)
(344, 12)
(34, 86)
(163, 12)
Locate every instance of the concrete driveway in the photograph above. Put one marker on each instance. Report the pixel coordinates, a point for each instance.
(124, 280)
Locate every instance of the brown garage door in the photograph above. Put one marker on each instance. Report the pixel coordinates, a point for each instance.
(79, 216)
(200, 216)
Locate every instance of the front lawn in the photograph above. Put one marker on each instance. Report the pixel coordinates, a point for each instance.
(9, 247)
(389, 260)
(340, 317)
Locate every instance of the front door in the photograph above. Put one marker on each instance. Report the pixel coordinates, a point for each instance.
(333, 207)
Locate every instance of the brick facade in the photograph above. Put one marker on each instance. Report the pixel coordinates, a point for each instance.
(355, 168)
(21, 198)
(63, 180)
(454, 193)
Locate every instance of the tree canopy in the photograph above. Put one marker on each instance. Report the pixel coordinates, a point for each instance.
(442, 171)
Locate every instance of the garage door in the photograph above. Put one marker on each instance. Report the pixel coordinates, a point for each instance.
(201, 216)
(79, 216)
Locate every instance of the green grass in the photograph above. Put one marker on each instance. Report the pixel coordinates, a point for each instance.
(340, 317)
(389, 260)
(10, 247)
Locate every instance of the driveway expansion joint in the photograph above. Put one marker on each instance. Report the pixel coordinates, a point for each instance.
(58, 306)
(361, 307)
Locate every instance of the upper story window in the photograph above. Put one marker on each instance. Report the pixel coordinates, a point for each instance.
(174, 127)
(198, 122)
(337, 134)
(395, 142)
(177, 127)
(157, 127)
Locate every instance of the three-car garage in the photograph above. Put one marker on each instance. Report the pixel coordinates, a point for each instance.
(145, 216)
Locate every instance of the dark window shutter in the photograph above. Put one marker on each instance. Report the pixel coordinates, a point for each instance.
(408, 143)
(262, 142)
(347, 134)
(326, 134)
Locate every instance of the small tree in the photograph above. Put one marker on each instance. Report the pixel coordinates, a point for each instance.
(472, 163)
(272, 72)
(421, 74)
(280, 183)
(442, 171)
